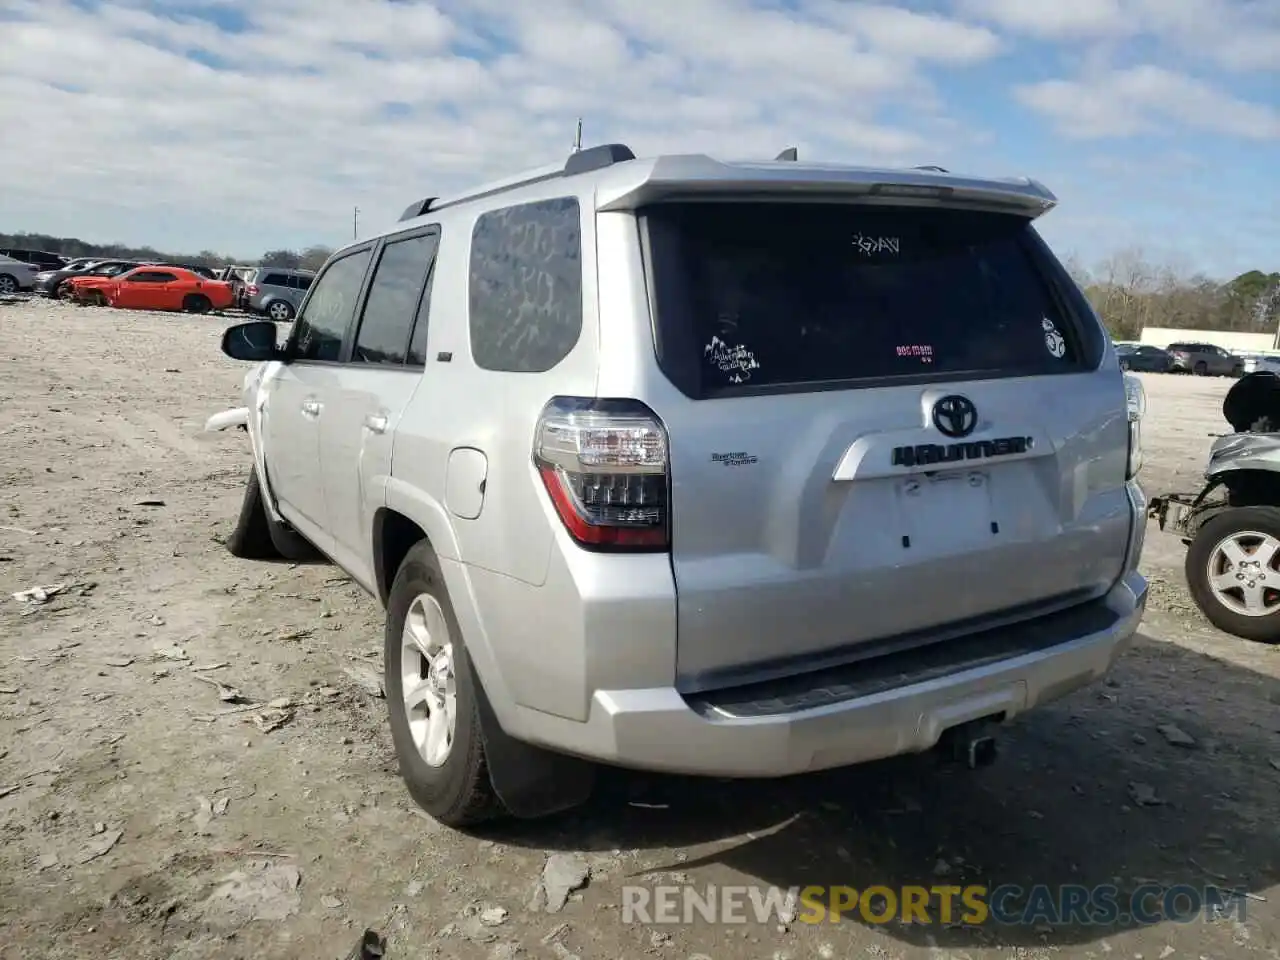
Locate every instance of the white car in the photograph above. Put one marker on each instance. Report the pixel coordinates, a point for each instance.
(16, 275)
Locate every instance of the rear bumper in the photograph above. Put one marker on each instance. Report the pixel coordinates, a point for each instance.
(659, 729)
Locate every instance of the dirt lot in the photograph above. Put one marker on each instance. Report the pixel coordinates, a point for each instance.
(143, 816)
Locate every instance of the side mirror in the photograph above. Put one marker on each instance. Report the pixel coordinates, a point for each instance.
(254, 341)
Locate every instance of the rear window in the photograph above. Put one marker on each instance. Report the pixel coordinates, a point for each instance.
(752, 295)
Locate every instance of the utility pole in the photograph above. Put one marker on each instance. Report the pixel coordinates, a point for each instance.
(577, 140)
(355, 223)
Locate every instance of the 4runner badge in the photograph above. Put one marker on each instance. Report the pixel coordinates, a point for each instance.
(925, 454)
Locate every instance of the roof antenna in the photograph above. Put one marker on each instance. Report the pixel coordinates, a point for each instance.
(791, 153)
(577, 140)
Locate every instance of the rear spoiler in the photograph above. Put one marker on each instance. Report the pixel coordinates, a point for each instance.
(702, 177)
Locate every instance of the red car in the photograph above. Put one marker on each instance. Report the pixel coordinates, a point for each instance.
(155, 288)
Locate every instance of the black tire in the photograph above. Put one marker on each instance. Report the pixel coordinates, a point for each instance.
(8, 285)
(1233, 520)
(196, 303)
(257, 537)
(1201, 369)
(458, 793)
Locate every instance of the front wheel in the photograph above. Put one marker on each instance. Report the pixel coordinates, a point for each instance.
(1201, 369)
(432, 698)
(1233, 572)
(8, 285)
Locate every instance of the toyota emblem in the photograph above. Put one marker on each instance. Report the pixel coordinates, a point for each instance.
(955, 416)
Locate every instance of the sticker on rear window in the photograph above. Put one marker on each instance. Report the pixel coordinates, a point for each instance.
(869, 246)
(921, 350)
(736, 361)
(1053, 340)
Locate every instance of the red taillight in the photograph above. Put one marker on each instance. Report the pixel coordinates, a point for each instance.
(604, 464)
(251, 289)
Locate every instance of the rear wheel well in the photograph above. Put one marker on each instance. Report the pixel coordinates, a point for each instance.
(394, 535)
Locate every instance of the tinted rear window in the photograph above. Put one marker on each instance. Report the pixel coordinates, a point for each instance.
(771, 295)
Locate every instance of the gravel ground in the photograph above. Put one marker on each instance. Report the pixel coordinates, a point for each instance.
(192, 764)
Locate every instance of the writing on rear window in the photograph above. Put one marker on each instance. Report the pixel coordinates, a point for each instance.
(873, 245)
(736, 362)
(923, 351)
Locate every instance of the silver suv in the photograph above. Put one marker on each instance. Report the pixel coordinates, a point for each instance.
(276, 292)
(735, 469)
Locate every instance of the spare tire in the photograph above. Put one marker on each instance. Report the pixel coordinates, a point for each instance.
(1253, 403)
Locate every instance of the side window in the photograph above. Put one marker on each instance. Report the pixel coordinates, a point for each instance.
(300, 282)
(148, 276)
(275, 280)
(164, 277)
(319, 331)
(393, 299)
(525, 302)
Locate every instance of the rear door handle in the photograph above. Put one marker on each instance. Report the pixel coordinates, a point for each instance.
(375, 423)
(311, 408)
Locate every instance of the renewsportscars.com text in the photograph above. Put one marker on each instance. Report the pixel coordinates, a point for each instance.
(1010, 905)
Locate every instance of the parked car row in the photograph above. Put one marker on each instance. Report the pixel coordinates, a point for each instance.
(1201, 359)
(270, 291)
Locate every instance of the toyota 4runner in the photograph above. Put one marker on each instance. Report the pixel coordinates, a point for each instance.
(736, 469)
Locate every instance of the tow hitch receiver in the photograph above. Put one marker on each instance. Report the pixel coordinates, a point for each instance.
(972, 744)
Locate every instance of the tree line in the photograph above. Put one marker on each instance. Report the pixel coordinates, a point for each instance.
(311, 258)
(1131, 292)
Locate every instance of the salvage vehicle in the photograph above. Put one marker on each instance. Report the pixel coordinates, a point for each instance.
(154, 287)
(737, 469)
(1231, 526)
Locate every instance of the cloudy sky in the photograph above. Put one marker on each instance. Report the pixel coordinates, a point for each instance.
(247, 125)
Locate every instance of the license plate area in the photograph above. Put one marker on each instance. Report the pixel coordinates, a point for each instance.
(946, 512)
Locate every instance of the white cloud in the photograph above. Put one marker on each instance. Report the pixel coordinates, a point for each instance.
(1146, 99)
(1238, 35)
(276, 127)
(1054, 21)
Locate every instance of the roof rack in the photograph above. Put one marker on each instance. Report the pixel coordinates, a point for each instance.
(933, 167)
(791, 154)
(580, 161)
(418, 209)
